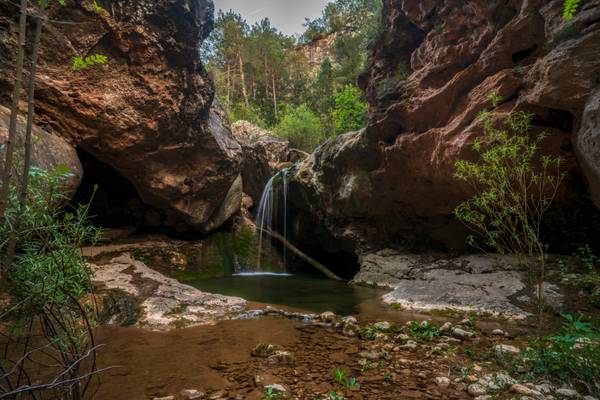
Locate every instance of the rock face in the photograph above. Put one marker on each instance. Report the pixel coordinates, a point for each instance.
(147, 112)
(49, 151)
(588, 145)
(478, 283)
(430, 75)
(264, 155)
(164, 302)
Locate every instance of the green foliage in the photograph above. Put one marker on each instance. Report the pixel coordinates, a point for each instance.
(495, 98)
(515, 185)
(343, 379)
(570, 8)
(302, 127)
(350, 111)
(81, 63)
(570, 357)
(49, 267)
(271, 394)
(425, 331)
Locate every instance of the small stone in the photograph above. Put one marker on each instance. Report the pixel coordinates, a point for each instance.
(569, 393)
(498, 332)
(506, 349)
(277, 388)
(486, 397)
(410, 345)
(524, 390)
(497, 381)
(281, 358)
(403, 337)
(446, 327)
(382, 326)
(477, 368)
(589, 398)
(164, 398)
(327, 317)
(350, 320)
(372, 356)
(476, 389)
(442, 381)
(264, 350)
(465, 321)
(462, 334)
(471, 379)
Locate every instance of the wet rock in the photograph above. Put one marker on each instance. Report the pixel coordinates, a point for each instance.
(327, 317)
(164, 302)
(442, 381)
(281, 358)
(462, 334)
(446, 327)
(568, 393)
(265, 350)
(476, 389)
(383, 326)
(191, 394)
(524, 390)
(506, 349)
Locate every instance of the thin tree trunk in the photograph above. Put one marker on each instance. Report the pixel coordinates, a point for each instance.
(14, 112)
(228, 85)
(12, 130)
(266, 66)
(243, 80)
(274, 94)
(24, 184)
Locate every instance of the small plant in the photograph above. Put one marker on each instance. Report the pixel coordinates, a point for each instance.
(271, 394)
(495, 99)
(570, 8)
(81, 63)
(589, 270)
(425, 331)
(370, 331)
(342, 379)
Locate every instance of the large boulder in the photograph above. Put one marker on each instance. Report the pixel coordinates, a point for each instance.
(430, 74)
(264, 154)
(49, 151)
(147, 112)
(588, 145)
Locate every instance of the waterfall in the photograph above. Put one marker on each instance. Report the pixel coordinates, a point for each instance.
(275, 189)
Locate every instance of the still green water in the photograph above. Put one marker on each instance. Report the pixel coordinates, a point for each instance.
(305, 291)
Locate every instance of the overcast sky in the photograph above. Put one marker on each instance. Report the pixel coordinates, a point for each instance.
(286, 15)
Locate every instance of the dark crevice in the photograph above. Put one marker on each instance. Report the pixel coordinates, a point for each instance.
(553, 118)
(522, 55)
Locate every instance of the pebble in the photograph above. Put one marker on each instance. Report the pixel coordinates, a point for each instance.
(383, 326)
(471, 379)
(446, 327)
(327, 316)
(503, 349)
(524, 390)
(570, 393)
(442, 381)
(410, 345)
(164, 398)
(277, 388)
(402, 337)
(476, 389)
(498, 332)
(462, 334)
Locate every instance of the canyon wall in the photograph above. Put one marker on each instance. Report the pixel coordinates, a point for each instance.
(431, 71)
(148, 112)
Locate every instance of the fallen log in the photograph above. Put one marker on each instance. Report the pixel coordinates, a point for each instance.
(314, 263)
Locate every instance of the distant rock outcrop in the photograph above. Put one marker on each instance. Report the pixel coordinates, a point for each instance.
(264, 154)
(430, 74)
(148, 112)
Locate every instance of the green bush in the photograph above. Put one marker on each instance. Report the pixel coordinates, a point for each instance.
(350, 112)
(302, 127)
(572, 356)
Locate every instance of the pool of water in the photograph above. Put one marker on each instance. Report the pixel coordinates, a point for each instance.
(304, 291)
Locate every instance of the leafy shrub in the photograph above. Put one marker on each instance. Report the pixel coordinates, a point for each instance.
(302, 128)
(572, 356)
(350, 112)
(80, 63)
(588, 269)
(425, 331)
(570, 8)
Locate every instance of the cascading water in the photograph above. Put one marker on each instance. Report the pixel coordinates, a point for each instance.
(268, 212)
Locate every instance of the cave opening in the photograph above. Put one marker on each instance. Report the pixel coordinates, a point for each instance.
(113, 201)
